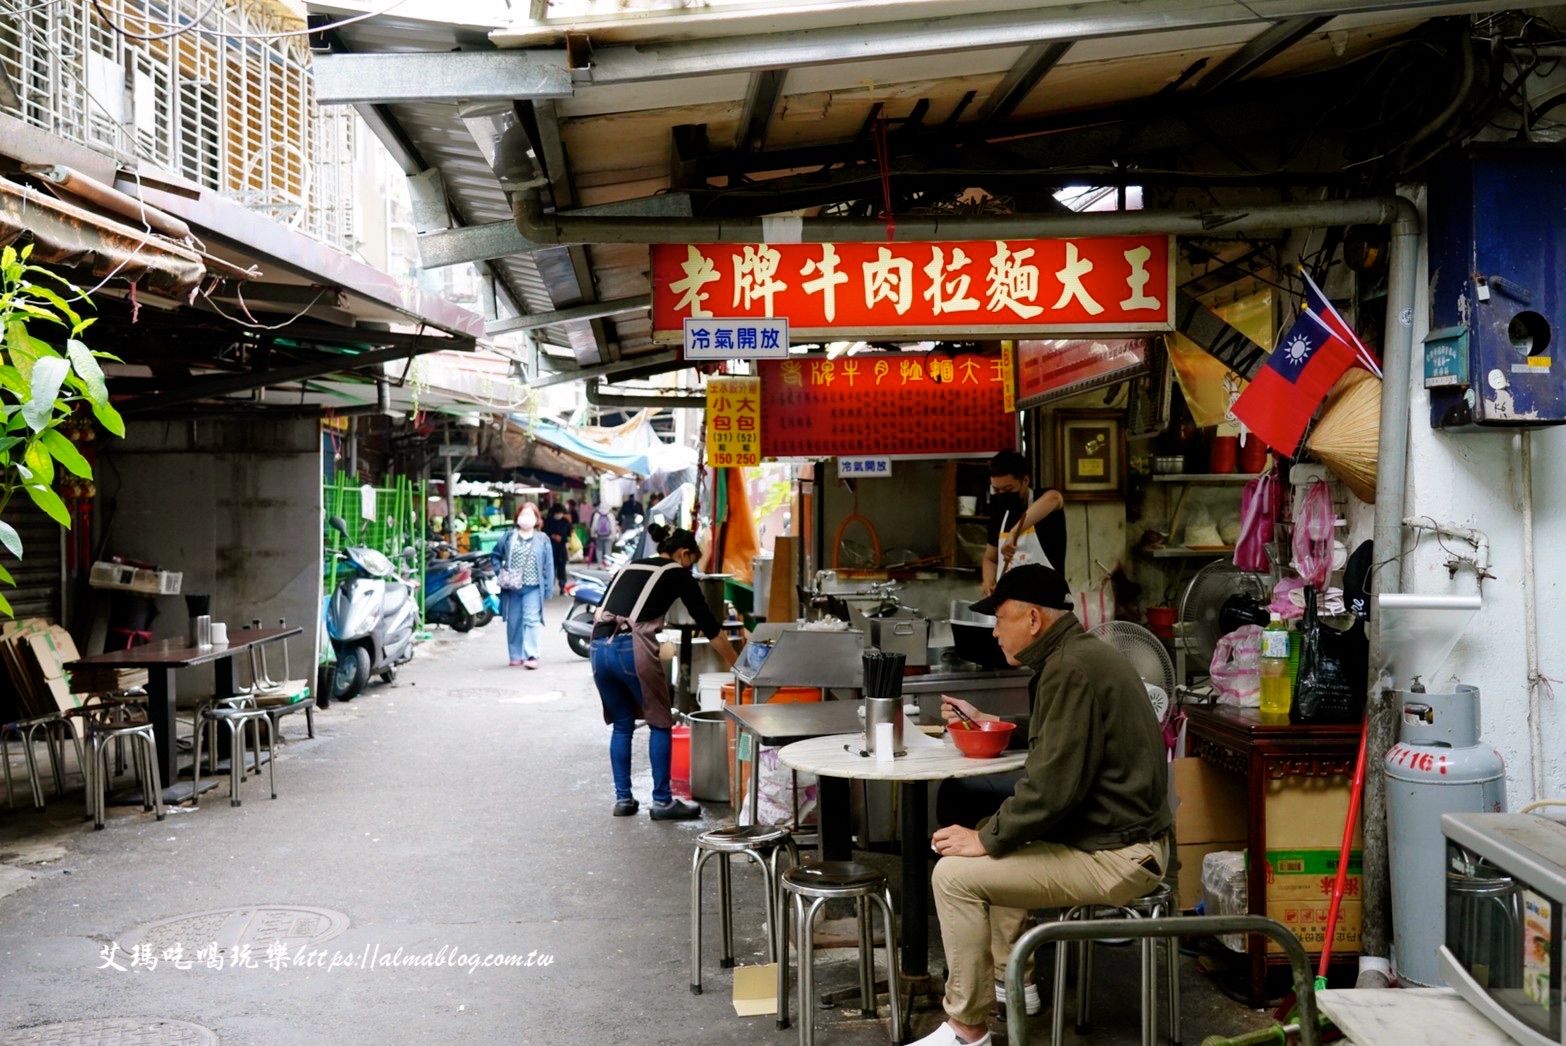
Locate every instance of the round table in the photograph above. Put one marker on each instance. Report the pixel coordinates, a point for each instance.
(836, 758)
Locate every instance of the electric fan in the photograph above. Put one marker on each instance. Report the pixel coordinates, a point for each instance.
(1147, 655)
(1219, 599)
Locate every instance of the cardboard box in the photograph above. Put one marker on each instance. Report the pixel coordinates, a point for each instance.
(1305, 813)
(1210, 805)
(1308, 922)
(1309, 875)
(1190, 875)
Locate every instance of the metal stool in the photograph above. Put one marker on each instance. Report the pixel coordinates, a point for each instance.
(1157, 903)
(144, 754)
(763, 844)
(821, 883)
(236, 719)
(56, 730)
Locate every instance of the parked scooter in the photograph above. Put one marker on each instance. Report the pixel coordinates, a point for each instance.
(484, 576)
(450, 596)
(370, 618)
(586, 590)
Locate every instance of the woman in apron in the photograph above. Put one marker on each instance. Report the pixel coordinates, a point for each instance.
(626, 668)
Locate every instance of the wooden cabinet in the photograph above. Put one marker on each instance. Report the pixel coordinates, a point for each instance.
(960, 479)
(1259, 754)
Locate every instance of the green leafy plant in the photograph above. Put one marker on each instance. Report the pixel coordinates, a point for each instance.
(41, 388)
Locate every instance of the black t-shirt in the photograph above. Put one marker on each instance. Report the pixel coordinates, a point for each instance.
(1051, 530)
(677, 583)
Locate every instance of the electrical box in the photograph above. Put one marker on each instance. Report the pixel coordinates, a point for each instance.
(1497, 224)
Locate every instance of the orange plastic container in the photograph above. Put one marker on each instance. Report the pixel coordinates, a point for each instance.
(680, 754)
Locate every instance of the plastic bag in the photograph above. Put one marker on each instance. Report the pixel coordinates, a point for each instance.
(775, 799)
(574, 545)
(1236, 667)
(1313, 523)
(1258, 514)
(1332, 676)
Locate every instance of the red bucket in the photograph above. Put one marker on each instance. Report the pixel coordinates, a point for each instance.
(680, 757)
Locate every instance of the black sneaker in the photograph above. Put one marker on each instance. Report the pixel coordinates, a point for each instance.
(674, 810)
(626, 807)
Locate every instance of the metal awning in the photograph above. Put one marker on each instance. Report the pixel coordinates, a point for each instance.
(67, 235)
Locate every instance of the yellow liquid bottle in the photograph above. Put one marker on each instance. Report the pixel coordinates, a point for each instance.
(1276, 688)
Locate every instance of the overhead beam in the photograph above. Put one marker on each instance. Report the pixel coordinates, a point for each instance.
(1024, 76)
(452, 76)
(1258, 51)
(761, 100)
(223, 385)
(669, 360)
(594, 311)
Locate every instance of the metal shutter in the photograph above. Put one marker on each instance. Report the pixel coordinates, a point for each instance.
(40, 576)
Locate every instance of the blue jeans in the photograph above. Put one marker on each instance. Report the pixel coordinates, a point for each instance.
(523, 610)
(614, 670)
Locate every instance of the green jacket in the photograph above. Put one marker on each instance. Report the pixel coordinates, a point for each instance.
(1097, 774)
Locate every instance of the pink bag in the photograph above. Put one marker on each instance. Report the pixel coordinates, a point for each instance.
(1258, 515)
(1236, 667)
(1313, 523)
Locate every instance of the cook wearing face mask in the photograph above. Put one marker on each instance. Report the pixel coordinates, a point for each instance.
(524, 564)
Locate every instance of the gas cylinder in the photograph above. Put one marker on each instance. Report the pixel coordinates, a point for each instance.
(1438, 766)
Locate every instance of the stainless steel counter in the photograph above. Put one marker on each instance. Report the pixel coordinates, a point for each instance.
(1004, 692)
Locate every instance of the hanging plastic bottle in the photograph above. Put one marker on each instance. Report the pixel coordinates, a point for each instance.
(1275, 685)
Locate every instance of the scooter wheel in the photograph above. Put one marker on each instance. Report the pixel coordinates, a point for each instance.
(463, 622)
(581, 646)
(389, 675)
(351, 674)
(483, 618)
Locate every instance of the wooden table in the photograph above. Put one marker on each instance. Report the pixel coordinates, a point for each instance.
(1237, 740)
(161, 659)
(827, 759)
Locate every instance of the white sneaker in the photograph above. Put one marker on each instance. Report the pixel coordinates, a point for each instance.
(1030, 997)
(944, 1036)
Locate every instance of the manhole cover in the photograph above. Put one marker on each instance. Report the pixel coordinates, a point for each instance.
(257, 928)
(112, 1031)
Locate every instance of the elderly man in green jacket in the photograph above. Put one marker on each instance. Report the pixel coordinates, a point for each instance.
(1087, 823)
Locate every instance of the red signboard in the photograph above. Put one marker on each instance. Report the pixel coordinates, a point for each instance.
(995, 288)
(884, 405)
(1051, 370)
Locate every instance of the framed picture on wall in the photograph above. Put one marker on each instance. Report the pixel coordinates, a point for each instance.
(1090, 455)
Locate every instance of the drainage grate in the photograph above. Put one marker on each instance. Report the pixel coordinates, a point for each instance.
(229, 928)
(112, 1031)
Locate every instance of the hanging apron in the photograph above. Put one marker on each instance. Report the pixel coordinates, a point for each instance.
(656, 704)
(1028, 551)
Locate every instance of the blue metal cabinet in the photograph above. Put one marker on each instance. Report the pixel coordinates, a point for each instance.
(1497, 220)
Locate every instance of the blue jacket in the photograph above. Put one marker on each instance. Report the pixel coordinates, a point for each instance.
(543, 555)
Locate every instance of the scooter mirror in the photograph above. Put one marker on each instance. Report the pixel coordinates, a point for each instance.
(338, 524)
(410, 553)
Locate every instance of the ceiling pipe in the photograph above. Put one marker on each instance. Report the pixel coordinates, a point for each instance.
(595, 311)
(567, 228)
(602, 399)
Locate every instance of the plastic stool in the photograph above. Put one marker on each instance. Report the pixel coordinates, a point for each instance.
(1156, 903)
(821, 883)
(144, 753)
(236, 719)
(763, 844)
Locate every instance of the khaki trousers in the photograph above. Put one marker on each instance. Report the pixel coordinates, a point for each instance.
(982, 902)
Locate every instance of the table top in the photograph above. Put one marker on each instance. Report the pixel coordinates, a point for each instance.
(1247, 723)
(785, 723)
(178, 653)
(831, 757)
(1372, 1016)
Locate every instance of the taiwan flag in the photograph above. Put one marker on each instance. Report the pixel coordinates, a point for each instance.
(1317, 304)
(1279, 401)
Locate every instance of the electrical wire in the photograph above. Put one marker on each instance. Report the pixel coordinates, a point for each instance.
(180, 28)
(10, 10)
(251, 323)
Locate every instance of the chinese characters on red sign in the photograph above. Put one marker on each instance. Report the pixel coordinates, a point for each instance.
(1051, 370)
(984, 287)
(929, 405)
(733, 422)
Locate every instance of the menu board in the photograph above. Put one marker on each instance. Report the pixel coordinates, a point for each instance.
(1060, 368)
(928, 405)
(733, 421)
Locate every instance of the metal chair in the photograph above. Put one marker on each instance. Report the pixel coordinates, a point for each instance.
(55, 729)
(236, 718)
(1156, 904)
(820, 883)
(281, 697)
(108, 724)
(764, 844)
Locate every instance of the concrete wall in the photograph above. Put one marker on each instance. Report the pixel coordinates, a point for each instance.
(236, 506)
(1476, 480)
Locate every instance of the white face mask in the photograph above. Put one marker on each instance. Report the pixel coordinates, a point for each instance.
(526, 523)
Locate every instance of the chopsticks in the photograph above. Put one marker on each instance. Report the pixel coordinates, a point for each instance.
(883, 671)
(967, 720)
